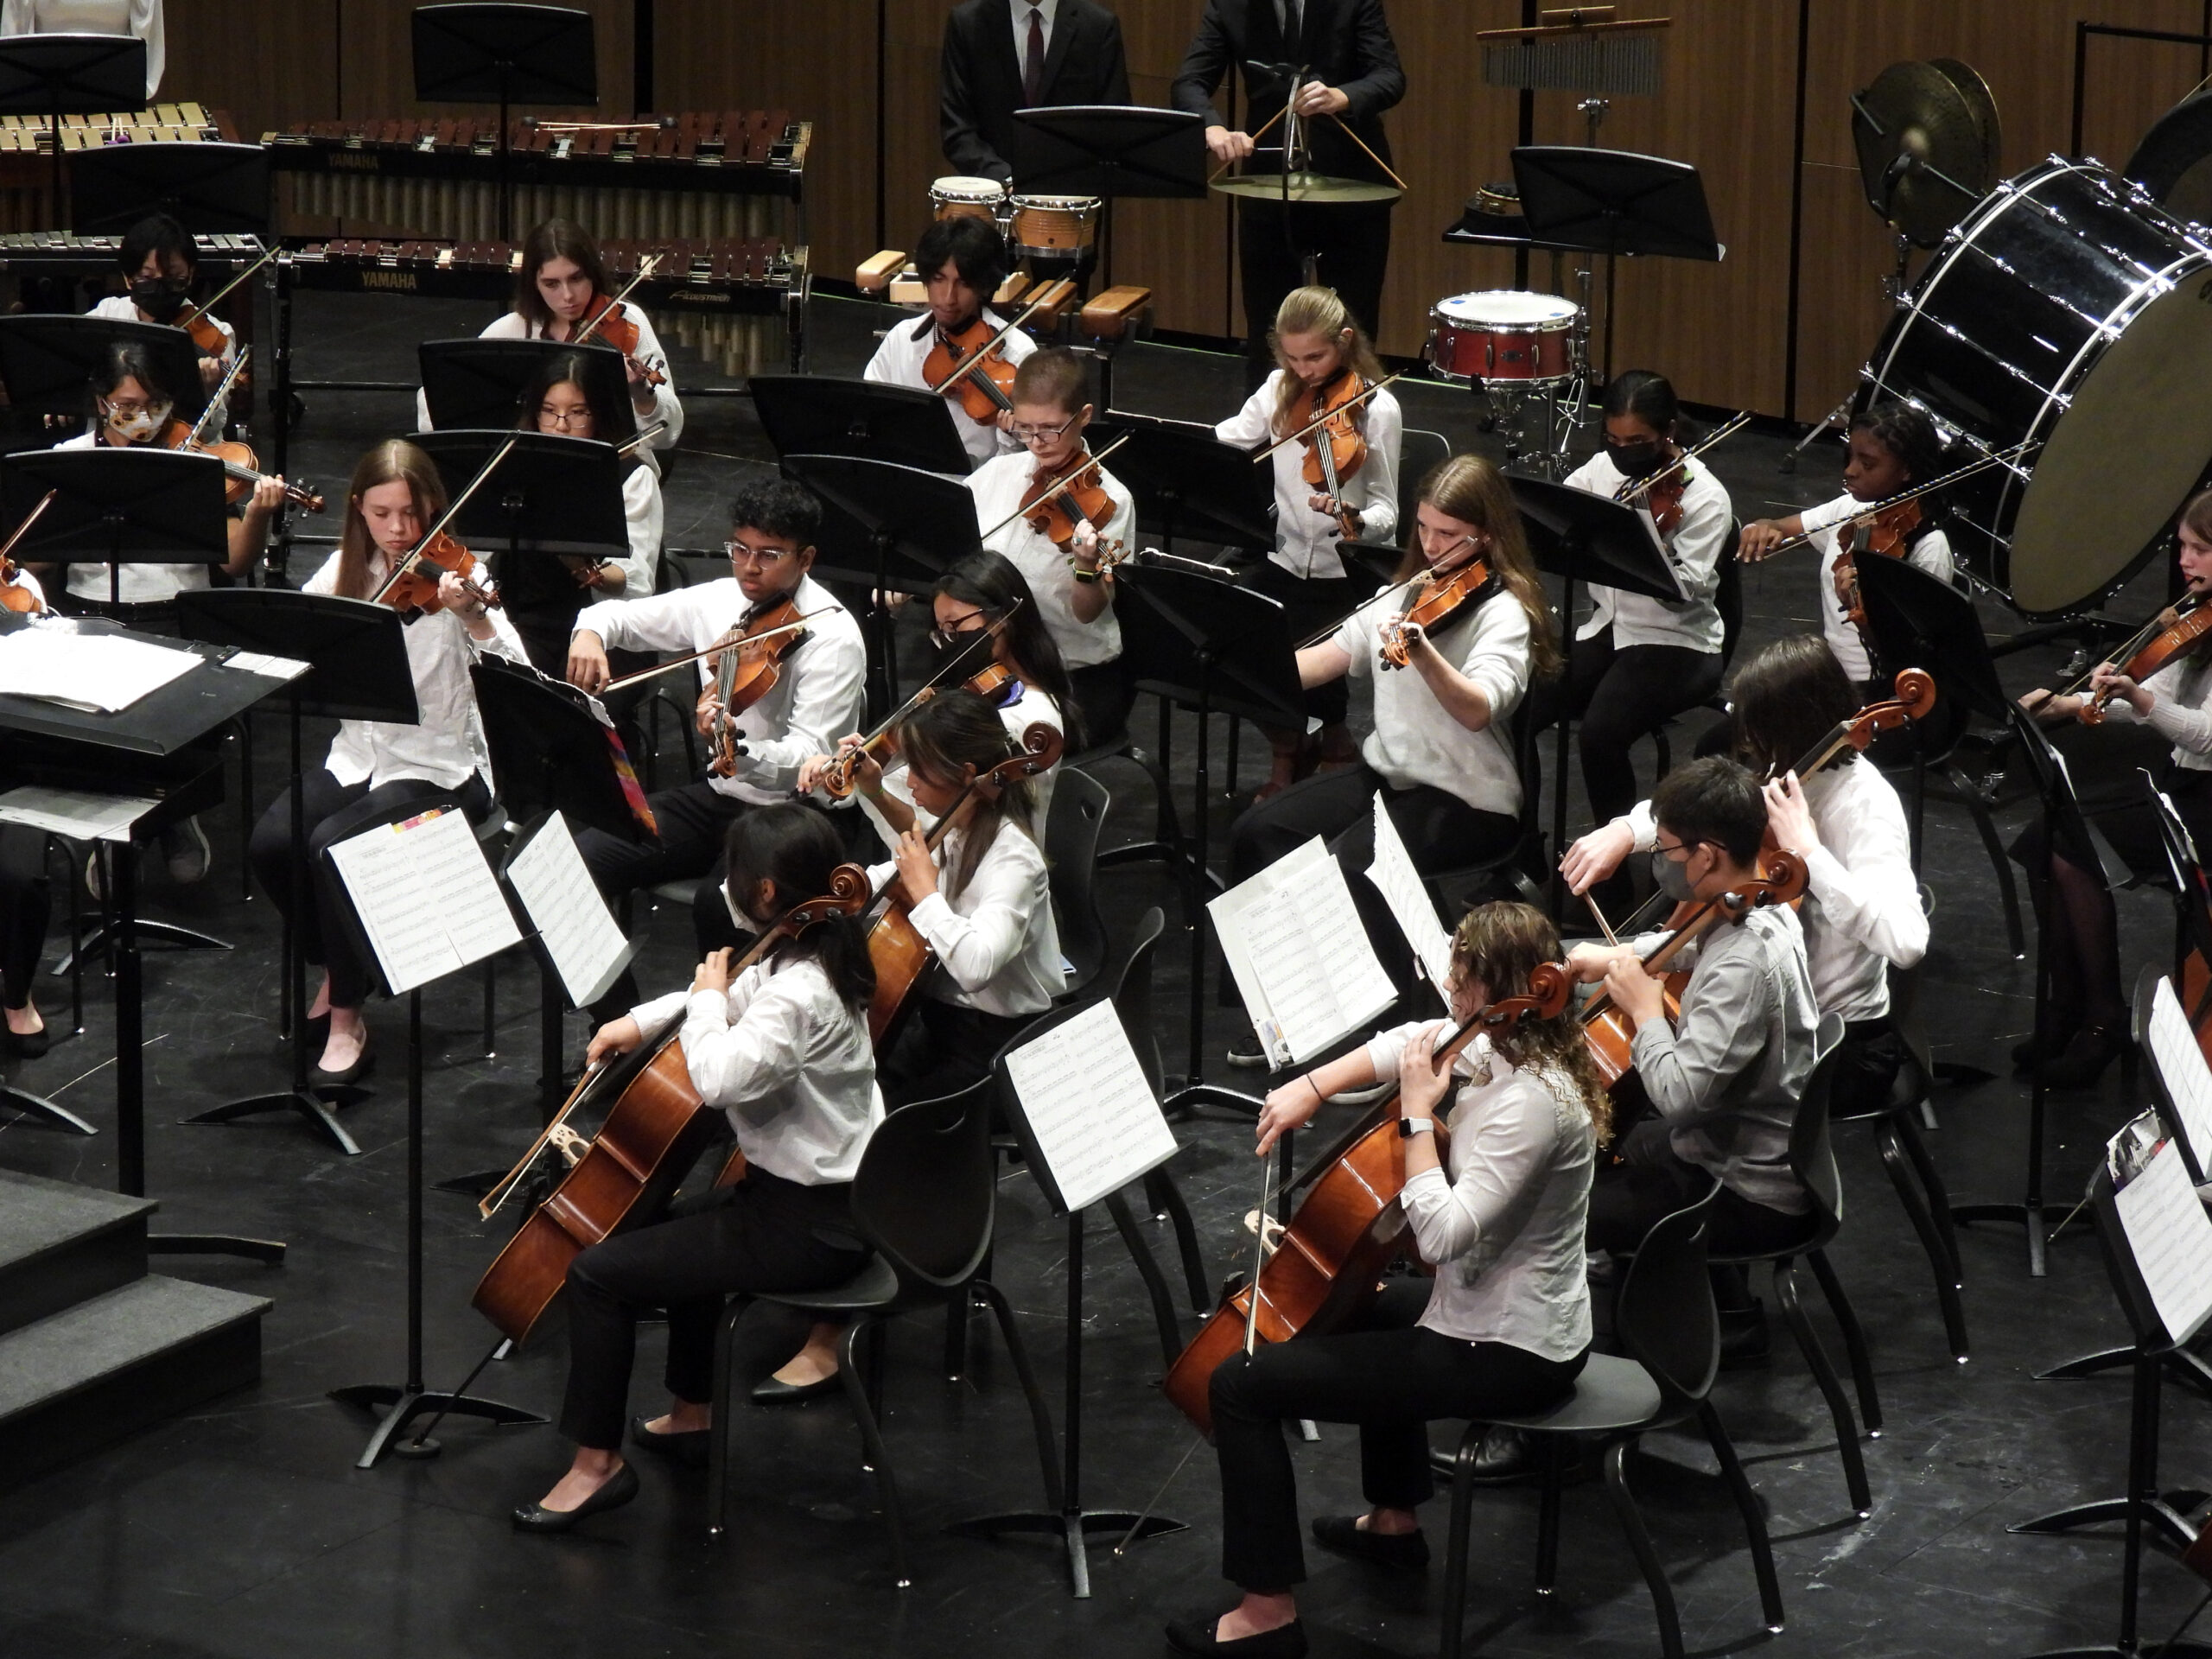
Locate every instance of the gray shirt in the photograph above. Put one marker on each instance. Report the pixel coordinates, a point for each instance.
(1728, 1075)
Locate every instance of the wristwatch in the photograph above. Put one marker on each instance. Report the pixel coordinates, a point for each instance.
(1410, 1127)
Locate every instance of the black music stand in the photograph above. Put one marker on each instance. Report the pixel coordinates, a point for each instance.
(1213, 647)
(896, 529)
(54, 75)
(548, 495)
(815, 415)
(357, 670)
(210, 189)
(1108, 150)
(504, 54)
(46, 361)
(1614, 202)
(1585, 538)
(1189, 483)
(480, 384)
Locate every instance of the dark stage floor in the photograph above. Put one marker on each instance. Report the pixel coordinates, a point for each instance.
(244, 1530)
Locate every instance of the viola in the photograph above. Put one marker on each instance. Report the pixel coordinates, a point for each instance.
(1325, 1262)
(198, 320)
(1336, 443)
(2179, 631)
(607, 319)
(746, 670)
(622, 1177)
(984, 381)
(1662, 491)
(1665, 500)
(900, 954)
(1439, 601)
(1060, 505)
(990, 682)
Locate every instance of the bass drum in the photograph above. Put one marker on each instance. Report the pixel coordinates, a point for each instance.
(2070, 310)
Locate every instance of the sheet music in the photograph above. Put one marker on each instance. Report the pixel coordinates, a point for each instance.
(1094, 1116)
(2181, 1067)
(94, 671)
(275, 667)
(1402, 889)
(1300, 955)
(77, 813)
(2171, 1240)
(563, 904)
(426, 898)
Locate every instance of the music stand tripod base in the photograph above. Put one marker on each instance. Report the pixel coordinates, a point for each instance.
(42, 1109)
(1074, 1528)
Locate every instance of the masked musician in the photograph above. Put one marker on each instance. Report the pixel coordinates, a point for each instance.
(160, 263)
(962, 261)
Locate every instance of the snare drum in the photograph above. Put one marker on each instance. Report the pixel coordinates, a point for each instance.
(1053, 227)
(1503, 334)
(959, 197)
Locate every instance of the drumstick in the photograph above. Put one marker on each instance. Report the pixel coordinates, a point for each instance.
(1256, 137)
(1371, 156)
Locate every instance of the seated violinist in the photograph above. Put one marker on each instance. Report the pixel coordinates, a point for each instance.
(160, 263)
(817, 696)
(962, 261)
(376, 773)
(1502, 1327)
(781, 1048)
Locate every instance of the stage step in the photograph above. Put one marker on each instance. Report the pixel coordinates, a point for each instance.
(61, 1244)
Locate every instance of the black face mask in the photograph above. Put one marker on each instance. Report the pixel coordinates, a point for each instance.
(1634, 460)
(159, 300)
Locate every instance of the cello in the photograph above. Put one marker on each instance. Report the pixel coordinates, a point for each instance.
(623, 1176)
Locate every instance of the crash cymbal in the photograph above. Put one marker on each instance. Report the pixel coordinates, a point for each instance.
(1307, 186)
(1925, 148)
(1983, 103)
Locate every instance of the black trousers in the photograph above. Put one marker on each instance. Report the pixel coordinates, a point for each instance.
(943, 1048)
(26, 906)
(1652, 1182)
(1867, 1061)
(1103, 692)
(1310, 604)
(333, 811)
(764, 1233)
(1353, 248)
(695, 821)
(1391, 1379)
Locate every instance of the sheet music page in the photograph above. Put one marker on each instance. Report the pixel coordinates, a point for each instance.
(1089, 1106)
(2181, 1067)
(426, 898)
(1300, 955)
(1402, 889)
(95, 671)
(2171, 1239)
(77, 813)
(572, 920)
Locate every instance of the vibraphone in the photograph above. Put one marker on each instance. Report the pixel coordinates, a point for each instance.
(27, 151)
(694, 176)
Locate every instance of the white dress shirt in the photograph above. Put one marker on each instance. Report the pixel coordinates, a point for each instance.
(447, 745)
(1045, 10)
(897, 362)
(642, 510)
(139, 17)
(1931, 553)
(998, 487)
(1505, 1227)
(1306, 541)
(787, 1061)
(816, 698)
(1416, 739)
(2181, 715)
(1862, 909)
(511, 325)
(135, 584)
(119, 307)
(1694, 552)
(995, 939)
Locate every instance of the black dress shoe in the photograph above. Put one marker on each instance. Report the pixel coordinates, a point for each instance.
(685, 1446)
(1506, 1455)
(25, 1045)
(326, 1079)
(617, 1489)
(1196, 1635)
(769, 1391)
(1344, 1533)
(2093, 1048)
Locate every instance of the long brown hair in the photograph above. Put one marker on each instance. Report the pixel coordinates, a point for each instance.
(949, 733)
(1785, 700)
(1469, 489)
(1500, 944)
(394, 460)
(557, 238)
(1318, 311)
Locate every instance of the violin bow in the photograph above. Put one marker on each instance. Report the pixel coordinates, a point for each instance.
(1359, 397)
(201, 428)
(957, 669)
(646, 267)
(204, 308)
(1874, 509)
(1061, 487)
(724, 644)
(408, 559)
(1635, 487)
(967, 365)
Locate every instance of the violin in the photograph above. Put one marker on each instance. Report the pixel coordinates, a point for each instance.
(896, 947)
(607, 320)
(747, 668)
(1662, 491)
(991, 683)
(1325, 1262)
(198, 320)
(970, 363)
(1888, 531)
(1439, 601)
(16, 596)
(240, 466)
(1336, 443)
(2178, 629)
(413, 583)
(623, 1176)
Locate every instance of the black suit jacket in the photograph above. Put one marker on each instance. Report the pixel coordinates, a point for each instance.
(1345, 42)
(979, 82)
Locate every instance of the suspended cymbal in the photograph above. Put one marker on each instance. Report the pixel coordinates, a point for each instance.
(1983, 103)
(1926, 146)
(1307, 186)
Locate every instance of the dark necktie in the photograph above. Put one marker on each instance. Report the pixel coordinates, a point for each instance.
(1032, 67)
(1290, 25)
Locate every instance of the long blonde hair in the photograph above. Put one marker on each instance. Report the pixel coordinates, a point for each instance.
(1469, 489)
(394, 460)
(1318, 311)
(1500, 944)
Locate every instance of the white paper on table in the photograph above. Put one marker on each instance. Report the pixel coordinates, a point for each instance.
(426, 898)
(1300, 955)
(96, 671)
(1096, 1121)
(1402, 889)
(275, 667)
(2171, 1240)
(2182, 1068)
(563, 904)
(77, 813)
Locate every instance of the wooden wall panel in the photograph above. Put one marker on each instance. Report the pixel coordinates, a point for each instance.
(1180, 250)
(376, 63)
(269, 72)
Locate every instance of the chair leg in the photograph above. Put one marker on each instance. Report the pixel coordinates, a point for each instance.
(1639, 1541)
(1979, 810)
(1941, 1262)
(856, 1395)
(1816, 1358)
(1747, 1503)
(1155, 1285)
(955, 1338)
(1547, 1515)
(1167, 1199)
(1452, 1635)
(1040, 1415)
(1907, 1134)
(718, 1436)
(1854, 1342)
(491, 1006)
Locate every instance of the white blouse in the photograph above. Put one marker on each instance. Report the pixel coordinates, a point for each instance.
(998, 487)
(996, 941)
(1306, 541)
(897, 362)
(140, 18)
(1693, 552)
(1931, 553)
(134, 584)
(2183, 714)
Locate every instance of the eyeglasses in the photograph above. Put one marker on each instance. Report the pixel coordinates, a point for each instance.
(943, 638)
(1679, 847)
(767, 557)
(549, 416)
(1042, 434)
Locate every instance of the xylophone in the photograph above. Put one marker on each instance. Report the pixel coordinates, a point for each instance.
(27, 151)
(694, 176)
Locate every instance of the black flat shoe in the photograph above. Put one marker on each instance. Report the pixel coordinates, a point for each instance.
(686, 1445)
(25, 1045)
(1343, 1533)
(323, 1079)
(2093, 1048)
(617, 1489)
(1196, 1635)
(1504, 1457)
(769, 1391)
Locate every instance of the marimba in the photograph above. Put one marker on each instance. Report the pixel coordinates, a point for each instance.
(27, 151)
